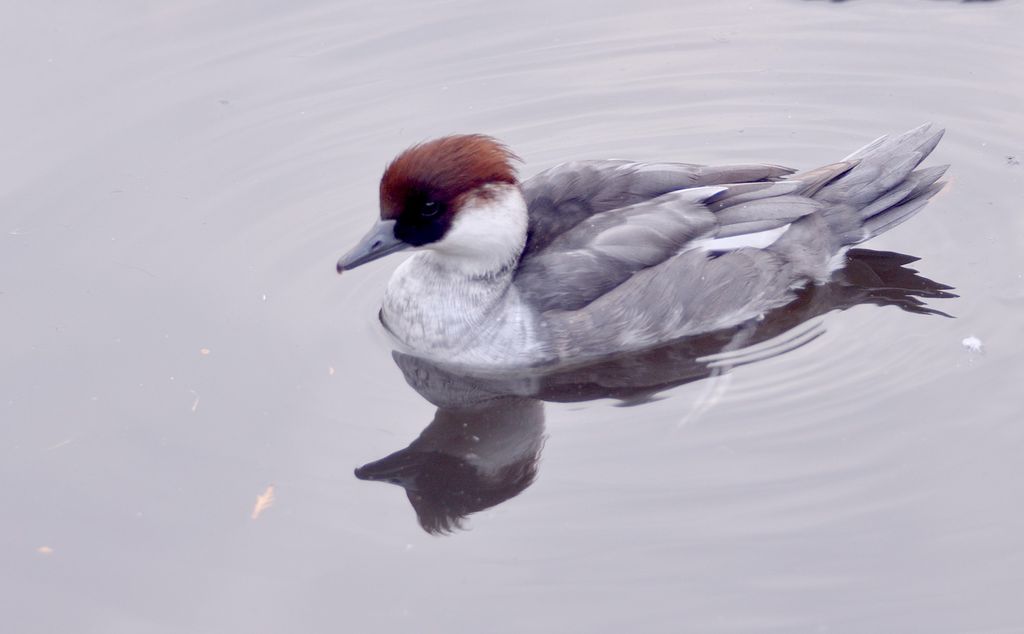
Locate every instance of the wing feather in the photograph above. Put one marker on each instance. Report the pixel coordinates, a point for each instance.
(565, 195)
(599, 254)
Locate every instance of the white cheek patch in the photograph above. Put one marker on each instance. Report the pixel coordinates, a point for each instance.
(758, 240)
(487, 233)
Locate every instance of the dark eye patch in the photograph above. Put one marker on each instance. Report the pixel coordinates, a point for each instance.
(423, 218)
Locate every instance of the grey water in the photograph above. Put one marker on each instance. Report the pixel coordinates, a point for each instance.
(186, 385)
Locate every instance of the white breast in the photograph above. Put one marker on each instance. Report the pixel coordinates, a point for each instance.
(455, 318)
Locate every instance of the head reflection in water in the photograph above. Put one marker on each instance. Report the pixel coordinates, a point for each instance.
(484, 444)
(469, 458)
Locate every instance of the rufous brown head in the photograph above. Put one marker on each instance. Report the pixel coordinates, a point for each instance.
(424, 188)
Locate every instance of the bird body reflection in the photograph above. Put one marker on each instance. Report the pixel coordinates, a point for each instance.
(484, 443)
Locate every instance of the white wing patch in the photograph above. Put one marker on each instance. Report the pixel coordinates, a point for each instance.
(757, 240)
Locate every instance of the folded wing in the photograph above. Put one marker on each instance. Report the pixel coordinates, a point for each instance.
(607, 244)
(565, 195)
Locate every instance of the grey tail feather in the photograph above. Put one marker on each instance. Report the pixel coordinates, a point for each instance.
(882, 188)
(815, 179)
(898, 214)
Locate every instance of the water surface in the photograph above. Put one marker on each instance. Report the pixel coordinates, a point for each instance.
(179, 179)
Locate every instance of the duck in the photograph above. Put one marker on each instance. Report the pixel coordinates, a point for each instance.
(594, 258)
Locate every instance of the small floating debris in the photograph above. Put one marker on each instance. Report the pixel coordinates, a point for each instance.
(263, 501)
(66, 441)
(973, 344)
(44, 550)
(204, 352)
(330, 371)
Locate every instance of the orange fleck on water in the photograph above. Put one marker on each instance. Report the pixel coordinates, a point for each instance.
(263, 501)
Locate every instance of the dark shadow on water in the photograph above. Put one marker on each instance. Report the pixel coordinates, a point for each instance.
(484, 443)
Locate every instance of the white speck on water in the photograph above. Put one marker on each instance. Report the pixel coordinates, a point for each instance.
(973, 344)
(66, 441)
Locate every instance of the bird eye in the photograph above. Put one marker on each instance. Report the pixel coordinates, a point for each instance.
(430, 208)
